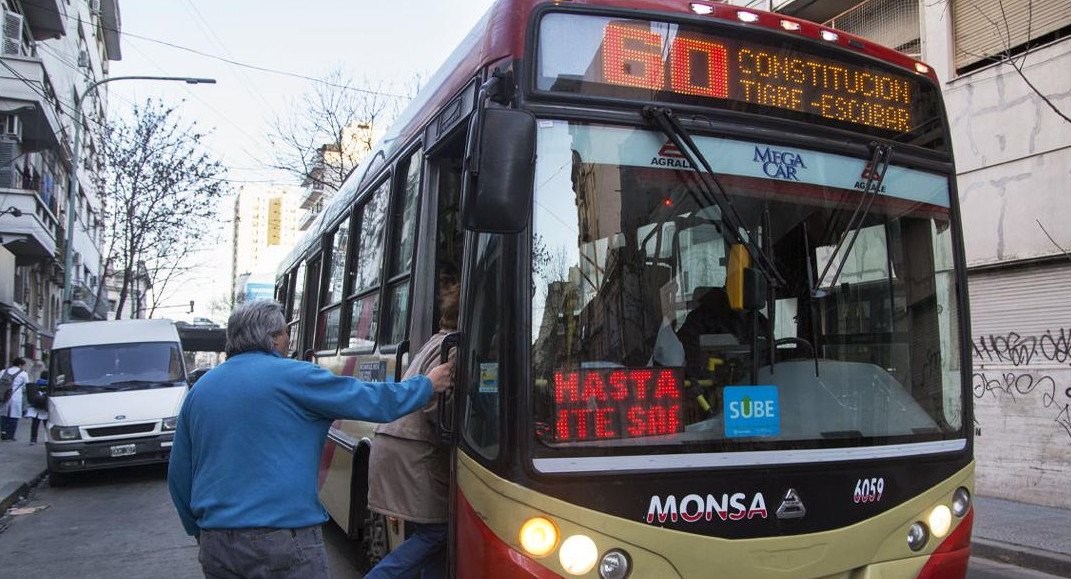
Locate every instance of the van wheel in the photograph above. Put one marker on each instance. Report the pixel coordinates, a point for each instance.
(58, 479)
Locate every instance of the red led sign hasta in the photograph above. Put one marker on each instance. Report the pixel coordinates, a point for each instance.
(618, 403)
(635, 56)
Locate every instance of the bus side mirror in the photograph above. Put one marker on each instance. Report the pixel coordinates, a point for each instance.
(499, 171)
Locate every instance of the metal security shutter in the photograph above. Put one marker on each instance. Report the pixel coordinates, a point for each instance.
(982, 29)
(1027, 301)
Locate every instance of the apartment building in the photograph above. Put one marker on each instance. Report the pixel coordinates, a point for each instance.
(51, 51)
(265, 229)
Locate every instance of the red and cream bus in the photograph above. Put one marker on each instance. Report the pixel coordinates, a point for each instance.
(713, 305)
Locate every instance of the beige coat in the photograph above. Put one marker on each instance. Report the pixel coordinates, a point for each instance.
(408, 472)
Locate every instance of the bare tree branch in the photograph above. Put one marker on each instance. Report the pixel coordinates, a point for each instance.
(161, 190)
(328, 133)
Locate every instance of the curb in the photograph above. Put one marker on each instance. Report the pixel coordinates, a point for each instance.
(1045, 561)
(20, 492)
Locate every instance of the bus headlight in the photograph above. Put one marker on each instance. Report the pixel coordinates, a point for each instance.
(917, 536)
(169, 423)
(940, 521)
(578, 554)
(64, 433)
(961, 501)
(614, 565)
(538, 536)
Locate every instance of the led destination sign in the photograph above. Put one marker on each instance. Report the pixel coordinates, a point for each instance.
(614, 57)
(617, 403)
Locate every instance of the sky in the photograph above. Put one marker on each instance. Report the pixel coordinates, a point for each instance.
(377, 44)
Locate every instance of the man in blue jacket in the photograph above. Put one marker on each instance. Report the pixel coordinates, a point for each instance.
(248, 442)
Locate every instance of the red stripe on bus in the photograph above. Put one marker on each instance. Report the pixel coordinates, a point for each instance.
(480, 553)
(949, 560)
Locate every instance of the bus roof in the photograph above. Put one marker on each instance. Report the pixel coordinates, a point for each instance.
(72, 335)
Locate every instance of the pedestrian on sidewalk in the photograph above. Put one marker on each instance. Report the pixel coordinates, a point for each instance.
(36, 412)
(409, 468)
(255, 427)
(11, 411)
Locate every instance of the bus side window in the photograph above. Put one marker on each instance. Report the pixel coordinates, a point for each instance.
(367, 267)
(403, 241)
(293, 306)
(327, 328)
(482, 407)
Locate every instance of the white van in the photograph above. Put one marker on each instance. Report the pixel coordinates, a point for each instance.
(115, 390)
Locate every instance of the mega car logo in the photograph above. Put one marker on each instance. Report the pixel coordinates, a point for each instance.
(670, 156)
(693, 508)
(779, 164)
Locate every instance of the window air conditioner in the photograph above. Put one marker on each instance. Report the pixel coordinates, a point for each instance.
(83, 59)
(94, 6)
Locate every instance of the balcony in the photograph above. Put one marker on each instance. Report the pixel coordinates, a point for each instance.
(313, 193)
(307, 219)
(19, 76)
(85, 304)
(44, 18)
(32, 235)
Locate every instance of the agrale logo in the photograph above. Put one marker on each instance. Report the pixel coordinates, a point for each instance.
(670, 156)
(779, 164)
(868, 172)
(692, 508)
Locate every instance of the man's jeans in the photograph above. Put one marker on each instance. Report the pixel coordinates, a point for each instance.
(423, 552)
(263, 553)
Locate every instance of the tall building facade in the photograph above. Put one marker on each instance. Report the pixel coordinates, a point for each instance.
(51, 51)
(1005, 70)
(265, 229)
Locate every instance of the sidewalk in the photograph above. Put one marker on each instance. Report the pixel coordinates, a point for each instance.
(21, 465)
(1023, 535)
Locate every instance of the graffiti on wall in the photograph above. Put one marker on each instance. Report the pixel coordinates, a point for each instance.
(1054, 346)
(1021, 351)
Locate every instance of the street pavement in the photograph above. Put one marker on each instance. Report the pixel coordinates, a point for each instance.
(1019, 534)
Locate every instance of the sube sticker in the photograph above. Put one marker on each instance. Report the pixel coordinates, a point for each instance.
(752, 411)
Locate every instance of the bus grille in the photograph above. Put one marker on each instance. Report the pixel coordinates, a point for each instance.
(120, 430)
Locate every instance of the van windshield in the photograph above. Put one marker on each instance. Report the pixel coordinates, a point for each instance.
(114, 367)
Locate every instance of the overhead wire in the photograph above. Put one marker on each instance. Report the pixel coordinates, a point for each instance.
(102, 26)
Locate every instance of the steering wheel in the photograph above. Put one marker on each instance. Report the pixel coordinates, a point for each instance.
(797, 342)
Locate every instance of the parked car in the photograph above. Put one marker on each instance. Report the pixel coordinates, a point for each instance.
(195, 375)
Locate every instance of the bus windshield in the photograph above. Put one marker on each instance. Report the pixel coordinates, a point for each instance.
(114, 367)
(637, 348)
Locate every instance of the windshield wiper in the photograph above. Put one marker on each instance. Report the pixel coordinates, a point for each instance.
(709, 185)
(879, 164)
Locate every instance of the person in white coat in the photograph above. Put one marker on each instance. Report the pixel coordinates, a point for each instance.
(11, 411)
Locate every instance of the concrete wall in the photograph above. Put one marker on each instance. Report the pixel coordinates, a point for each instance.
(1013, 155)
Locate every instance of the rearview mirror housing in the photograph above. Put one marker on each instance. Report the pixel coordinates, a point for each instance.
(499, 171)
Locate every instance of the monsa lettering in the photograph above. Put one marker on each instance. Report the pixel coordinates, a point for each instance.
(694, 508)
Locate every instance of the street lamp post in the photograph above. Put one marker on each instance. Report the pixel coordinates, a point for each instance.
(72, 178)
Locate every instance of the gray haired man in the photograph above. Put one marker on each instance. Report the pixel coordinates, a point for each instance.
(243, 470)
